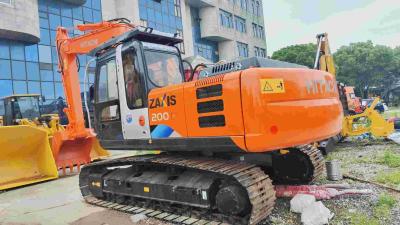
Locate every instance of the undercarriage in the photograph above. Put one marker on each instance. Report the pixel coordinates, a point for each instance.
(194, 189)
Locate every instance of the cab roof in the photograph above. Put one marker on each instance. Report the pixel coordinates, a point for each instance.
(144, 34)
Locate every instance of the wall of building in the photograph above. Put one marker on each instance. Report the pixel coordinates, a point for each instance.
(32, 68)
(198, 21)
(20, 21)
(228, 37)
(201, 46)
(129, 9)
(27, 67)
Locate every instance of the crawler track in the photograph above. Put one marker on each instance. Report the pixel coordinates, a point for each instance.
(257, 184)
(316, 158)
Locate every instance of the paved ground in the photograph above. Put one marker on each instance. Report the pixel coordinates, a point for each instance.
(56, 202)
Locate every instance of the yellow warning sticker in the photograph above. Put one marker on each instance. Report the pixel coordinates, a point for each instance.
(146, 189)
(272, 86)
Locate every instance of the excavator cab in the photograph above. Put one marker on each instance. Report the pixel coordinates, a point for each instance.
(124, 77)
(18, 107)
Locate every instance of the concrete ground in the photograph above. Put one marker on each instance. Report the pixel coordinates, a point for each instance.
(56, 202)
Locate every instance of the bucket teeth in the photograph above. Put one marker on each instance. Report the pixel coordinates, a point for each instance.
(70, 165)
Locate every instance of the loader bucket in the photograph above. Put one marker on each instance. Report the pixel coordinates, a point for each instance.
(25, 157)
(97, 152)
(71, 152)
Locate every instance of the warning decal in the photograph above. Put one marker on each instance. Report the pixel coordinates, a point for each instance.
(272, 86)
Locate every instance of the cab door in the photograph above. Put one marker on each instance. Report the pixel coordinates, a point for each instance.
(132, 92)
(107, 112)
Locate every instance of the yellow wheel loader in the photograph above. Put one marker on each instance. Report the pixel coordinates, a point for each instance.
(26, 154)
(369, 121)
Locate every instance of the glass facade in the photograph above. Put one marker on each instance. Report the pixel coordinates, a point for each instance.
(33, 68)
(165, 16)
(205, 48)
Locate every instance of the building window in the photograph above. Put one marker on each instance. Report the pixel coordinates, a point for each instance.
(164, 15)
(260, 52)
(8, 2)
(181, 46)
(261, 33)
(243, 49)
(27, 68)
(240, 24)
(243, 4)
(258, 9)
(254, 29)
(177, 7)
(258, 31)
(226, 19)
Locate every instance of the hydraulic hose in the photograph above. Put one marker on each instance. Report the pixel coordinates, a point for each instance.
(85, 82)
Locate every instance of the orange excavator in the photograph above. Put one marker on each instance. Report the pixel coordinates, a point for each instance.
(224, 137)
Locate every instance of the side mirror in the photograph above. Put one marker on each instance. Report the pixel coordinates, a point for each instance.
(91, 93)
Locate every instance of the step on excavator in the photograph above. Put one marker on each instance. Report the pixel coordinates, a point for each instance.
(224, 138)
(29, 160)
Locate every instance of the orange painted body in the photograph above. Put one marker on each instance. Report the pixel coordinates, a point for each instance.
(307, 111)
(354, 103)
(72, 146)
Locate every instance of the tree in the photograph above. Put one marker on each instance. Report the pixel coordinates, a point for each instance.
(362, 64)
(303, 54)
(365, 65)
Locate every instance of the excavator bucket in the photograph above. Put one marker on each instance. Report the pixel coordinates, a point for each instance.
(25, 157)
(97, 152)
(69, 153)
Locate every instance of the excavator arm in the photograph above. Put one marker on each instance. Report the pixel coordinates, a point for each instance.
(324, 59)
(72, 145)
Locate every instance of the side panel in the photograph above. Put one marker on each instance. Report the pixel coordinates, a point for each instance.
(167, 112)
(288, 107)
(213, 106)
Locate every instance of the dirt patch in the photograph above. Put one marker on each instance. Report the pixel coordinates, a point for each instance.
(111, 217)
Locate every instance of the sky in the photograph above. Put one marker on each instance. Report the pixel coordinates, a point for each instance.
(289, 22)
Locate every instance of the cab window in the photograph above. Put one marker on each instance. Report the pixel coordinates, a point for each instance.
(107, 89)
(163, 68)
(133, 85)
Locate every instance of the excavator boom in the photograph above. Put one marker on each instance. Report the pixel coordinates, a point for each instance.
(324, 59)
(72, 145)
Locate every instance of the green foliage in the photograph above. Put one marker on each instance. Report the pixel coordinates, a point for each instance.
(380, 215)
(391, 159)
(362, 219)
(303, 54)
(392, 178)
(386, 200)
(365, 65)
(384, 206)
